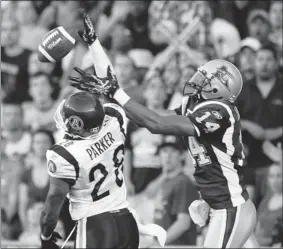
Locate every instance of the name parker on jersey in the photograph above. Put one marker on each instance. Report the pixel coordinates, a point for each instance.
(102, 145)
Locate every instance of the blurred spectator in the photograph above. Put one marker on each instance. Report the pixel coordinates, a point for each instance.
(125, 70)
(35, 180)
(35, 66)
(115, 13)
(176, 98)
(276, 35)
(171, 73)
(258, 97)
(259, 26)
(275, 16)
(11, 170)
(167, 18)
(177, 55)
(60, 13)
(134, 15)
(54, 70)
(142, 59)
(14, 61)
(71, 60)
(30, 234)
(246, 57)
(121, 40)
(16, 140)
(225, 38)
(141, 162)
(31, 33)
(8, 9)
(175, 192)
(273, 152)
(39, 112)
(40, 5)
(269, 227)
(201, 39)
(237, 12)
(137, 23)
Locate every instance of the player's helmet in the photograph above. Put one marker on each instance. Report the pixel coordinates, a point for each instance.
(217, 79)
(79, 113)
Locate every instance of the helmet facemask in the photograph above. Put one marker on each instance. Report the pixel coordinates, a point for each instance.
(198, 84)
(207, 86)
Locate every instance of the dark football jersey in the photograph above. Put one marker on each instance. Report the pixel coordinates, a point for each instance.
(217, 152)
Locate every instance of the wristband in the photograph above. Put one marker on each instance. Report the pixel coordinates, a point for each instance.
(121, 97)
(45, 238)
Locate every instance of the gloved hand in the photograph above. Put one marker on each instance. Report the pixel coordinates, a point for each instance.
(199, 211)
(88, 35)
(94, 84)
(51, 243)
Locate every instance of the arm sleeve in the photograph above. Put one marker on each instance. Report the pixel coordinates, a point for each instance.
(59, 167)
(100, 59)
(116, 111)
(211, 118)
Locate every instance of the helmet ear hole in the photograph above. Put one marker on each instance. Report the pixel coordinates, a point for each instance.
(215, 90)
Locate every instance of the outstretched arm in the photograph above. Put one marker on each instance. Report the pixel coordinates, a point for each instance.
(173, 125)
(155, 123)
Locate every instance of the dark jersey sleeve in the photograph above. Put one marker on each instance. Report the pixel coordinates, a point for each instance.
(211, 116)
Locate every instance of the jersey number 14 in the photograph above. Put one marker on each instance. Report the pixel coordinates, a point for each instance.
(199, 152)
(118, 159)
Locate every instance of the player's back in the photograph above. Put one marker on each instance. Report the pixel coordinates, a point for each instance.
(93, 167)
(218, 153)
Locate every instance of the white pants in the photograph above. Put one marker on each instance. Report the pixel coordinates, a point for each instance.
(232, 227)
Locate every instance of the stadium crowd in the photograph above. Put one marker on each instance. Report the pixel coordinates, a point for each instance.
(153, 57)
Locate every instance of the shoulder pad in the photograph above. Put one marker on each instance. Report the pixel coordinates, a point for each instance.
(65, 143)
(61, 164)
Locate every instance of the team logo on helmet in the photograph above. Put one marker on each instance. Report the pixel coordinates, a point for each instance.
(232, 97)
(76, 123)
(51, 166)
(223, 75)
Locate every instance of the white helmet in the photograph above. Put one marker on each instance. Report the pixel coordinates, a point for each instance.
(217, 79)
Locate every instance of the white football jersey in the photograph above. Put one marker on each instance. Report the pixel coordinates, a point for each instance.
(93, 167)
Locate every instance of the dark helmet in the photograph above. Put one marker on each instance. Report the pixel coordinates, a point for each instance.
(82, 111)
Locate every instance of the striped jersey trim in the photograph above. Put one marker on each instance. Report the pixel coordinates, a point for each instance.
(61, 151)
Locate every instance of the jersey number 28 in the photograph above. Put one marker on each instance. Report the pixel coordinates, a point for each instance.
(118, 159)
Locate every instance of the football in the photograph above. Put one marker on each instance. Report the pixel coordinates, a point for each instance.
(55, 45)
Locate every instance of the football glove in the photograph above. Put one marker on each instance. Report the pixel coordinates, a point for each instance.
(94, 84)
(88, 35)
(51, 243)
(199, 212)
